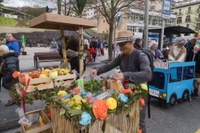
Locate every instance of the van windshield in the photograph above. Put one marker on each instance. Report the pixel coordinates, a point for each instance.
(158, 80)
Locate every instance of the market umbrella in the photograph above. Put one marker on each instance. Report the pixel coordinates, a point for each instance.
(178, 30)
(173, 30)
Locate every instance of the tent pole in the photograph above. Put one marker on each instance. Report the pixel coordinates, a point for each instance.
(81, 51)
(64, 51)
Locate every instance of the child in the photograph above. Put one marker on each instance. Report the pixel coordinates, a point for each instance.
(10, 63)
(92, 53)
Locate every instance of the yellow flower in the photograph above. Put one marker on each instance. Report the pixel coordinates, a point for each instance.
(67, 100)
(111, 103)
(62, 93)
(144, 87)
(77, 99)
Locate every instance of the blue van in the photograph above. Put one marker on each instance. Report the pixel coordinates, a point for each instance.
(173, 83)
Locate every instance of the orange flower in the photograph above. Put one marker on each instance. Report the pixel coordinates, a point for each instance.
(100, 109)
(125, 91)
(140, 130)
(142, 102)
(15, 74)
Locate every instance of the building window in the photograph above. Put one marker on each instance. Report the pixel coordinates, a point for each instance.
(188, 25)
(180, 11)
(187, 19)
(179, 20)
(189, 9)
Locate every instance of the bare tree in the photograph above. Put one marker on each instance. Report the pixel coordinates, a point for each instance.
(109, 9)
(78, 6)
(59, 6)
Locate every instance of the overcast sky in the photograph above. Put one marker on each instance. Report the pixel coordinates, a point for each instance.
(31, 3)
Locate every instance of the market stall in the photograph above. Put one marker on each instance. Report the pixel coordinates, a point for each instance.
(60, 22)
(75, 105)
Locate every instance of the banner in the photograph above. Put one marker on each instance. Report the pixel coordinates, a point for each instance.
(166, 9)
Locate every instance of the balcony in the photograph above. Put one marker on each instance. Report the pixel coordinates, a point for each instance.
(198, 19)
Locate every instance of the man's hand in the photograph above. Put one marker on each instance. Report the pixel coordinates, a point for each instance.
(93, 73)
(118, 76)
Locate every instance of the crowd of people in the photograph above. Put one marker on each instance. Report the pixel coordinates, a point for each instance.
(134, 64)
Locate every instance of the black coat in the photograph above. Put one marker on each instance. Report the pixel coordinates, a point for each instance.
(10, 64)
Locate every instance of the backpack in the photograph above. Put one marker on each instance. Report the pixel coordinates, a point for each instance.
(150, 57)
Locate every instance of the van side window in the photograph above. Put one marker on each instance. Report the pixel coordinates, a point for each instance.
(175, 75)
(188, 72)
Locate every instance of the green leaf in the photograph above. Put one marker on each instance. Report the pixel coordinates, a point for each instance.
(74, 112)
(62, 111)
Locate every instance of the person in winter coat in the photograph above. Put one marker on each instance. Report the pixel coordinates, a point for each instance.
(134, 66)
(138, 44)
(178, 52)
(54, 45)
(9, 64)
(99, 46)
(72, 52)
(12, 43)
(153, 47)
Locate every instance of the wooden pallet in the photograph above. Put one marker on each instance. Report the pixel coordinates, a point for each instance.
(46, 128)
(40, 84)
(65, 80)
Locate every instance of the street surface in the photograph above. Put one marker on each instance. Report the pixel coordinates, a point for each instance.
(182, 118)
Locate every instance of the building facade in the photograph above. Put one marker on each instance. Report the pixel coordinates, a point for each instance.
(136, 21)
(188, 14)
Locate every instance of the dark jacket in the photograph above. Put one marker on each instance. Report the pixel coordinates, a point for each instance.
(137, 46)
(10, 64)
(93, 44)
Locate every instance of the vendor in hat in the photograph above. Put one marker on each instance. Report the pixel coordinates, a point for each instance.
(134, 66)
(178, 52)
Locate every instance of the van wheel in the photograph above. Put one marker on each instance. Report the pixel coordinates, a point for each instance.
(185, 95)
(173, 100)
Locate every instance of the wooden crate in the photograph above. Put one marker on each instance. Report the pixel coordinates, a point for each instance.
(40, 84)
(66, 80)
(46, 128)
(126, 122)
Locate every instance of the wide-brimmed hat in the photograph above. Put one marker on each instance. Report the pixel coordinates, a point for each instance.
(123, 36)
